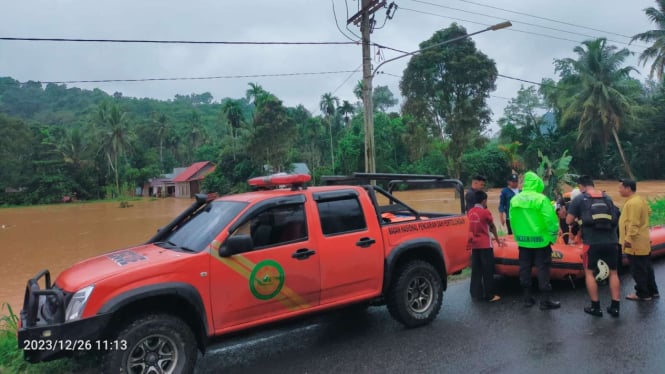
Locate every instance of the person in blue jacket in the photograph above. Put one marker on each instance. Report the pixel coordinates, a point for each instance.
(507, 193)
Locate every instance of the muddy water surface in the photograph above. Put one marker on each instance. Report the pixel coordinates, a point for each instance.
(55, 237)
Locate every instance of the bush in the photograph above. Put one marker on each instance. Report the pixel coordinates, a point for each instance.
(657, 211)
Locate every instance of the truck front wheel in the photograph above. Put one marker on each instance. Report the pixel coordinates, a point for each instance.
(415, 297)
(158, 343)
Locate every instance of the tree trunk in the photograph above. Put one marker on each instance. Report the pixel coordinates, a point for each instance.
(332, 154)
(623, 157)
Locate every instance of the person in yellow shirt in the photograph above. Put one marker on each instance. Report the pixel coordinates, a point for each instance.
(634, 239)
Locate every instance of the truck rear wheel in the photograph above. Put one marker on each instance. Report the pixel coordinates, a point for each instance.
(158, 343)
(416, 295)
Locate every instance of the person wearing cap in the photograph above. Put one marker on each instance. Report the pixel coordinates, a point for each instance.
(535, 227)
(477, 184)
(600, 246)
(507, 193)
(635, 241)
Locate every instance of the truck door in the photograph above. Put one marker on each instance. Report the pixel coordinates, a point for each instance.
(350, 247)
(280, 274)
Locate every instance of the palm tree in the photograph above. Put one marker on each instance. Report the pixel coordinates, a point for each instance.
(657, 50)
(116, 136)
(161, 122)
(233, 112)
(328, 105)
(599, 100)
(195, 133)
(254, 93)
(345, 109)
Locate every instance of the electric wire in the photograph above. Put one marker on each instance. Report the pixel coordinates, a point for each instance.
(337, 23)
(147, 41)
(201, 78)
(347, 17)
(488, 25)
(523, 23)
(544, 18)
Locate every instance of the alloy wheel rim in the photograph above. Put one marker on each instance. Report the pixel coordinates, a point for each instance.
(419, 294)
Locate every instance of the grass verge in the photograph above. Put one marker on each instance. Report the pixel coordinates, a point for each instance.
(11, 358)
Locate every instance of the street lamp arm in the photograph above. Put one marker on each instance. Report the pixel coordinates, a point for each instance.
(498, 26)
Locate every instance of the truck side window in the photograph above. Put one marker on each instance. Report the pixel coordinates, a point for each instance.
(341, 215)
(276, 225)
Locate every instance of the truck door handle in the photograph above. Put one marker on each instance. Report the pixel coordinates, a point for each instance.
(365, 242)
(303, 254)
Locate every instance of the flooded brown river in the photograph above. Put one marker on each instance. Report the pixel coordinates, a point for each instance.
(56, 236)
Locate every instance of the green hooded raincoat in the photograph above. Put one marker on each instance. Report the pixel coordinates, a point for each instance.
(532, 215)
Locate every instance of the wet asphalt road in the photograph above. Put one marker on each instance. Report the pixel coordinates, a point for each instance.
(467, 337)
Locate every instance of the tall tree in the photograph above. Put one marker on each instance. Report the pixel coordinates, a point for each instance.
(116, 136)
(447, 86)
(598, 87)
(328, 106)
(656, 51)
(162, 126)
(345, 109)
(233, 112)
(273, 133)
(383, 98)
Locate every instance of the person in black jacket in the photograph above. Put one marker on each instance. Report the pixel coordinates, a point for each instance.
(477, 184)
(507, 193)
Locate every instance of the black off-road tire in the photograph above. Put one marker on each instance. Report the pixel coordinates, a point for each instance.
(156, 339)
(415, 296)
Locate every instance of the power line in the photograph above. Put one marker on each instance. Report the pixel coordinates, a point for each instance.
(337, 24)
(201, 78)
(487, 25)
(521, 22)
(147, 41)
(544, 18)
(347, 78)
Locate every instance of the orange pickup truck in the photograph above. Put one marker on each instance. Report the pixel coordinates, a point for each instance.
(238, 261)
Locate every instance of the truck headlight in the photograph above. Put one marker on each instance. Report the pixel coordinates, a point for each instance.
(77, 303)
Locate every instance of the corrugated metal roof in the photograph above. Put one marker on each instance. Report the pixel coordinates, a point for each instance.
(191, 171)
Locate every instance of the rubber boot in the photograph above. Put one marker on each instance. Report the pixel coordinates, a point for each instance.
(613, 309)
(528, 300)
(594, 309)
(547, 303)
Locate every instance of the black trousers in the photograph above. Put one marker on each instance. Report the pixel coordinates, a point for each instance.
(642, 272)
(482, 273)
(541, 258)
(510, 230)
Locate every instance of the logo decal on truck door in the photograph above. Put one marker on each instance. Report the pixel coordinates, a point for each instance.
(266, 280)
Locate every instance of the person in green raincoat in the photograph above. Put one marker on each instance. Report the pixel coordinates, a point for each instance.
(535, 227)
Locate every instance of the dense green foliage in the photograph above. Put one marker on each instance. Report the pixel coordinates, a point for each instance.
(63, 141)
(446, 87)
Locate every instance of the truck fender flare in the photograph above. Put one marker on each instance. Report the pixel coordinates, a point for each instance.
(417, 248)
(182, 290)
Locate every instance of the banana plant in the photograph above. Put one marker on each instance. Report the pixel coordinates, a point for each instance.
(555, 174)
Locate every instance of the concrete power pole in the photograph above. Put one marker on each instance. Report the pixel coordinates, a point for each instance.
(364, 17)
(370, 159)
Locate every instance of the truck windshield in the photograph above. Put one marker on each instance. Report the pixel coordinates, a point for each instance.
(197, 232)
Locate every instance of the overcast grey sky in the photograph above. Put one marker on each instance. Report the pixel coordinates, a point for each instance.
(518, 51)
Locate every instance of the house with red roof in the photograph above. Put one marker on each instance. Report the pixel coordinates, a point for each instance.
(188, 182)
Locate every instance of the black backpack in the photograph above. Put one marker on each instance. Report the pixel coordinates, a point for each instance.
(598, 212)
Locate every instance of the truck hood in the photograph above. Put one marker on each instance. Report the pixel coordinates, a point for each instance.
(136, 259)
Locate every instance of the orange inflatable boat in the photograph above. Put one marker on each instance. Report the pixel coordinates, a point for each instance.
(566, 258)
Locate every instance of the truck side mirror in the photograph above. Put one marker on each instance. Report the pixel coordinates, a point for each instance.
(236, 244)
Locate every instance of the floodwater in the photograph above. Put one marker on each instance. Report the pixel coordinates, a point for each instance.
(56, 236)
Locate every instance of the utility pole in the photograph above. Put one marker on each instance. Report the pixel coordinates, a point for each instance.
(368, 8)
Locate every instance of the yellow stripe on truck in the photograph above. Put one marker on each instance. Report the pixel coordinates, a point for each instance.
(243, 266)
